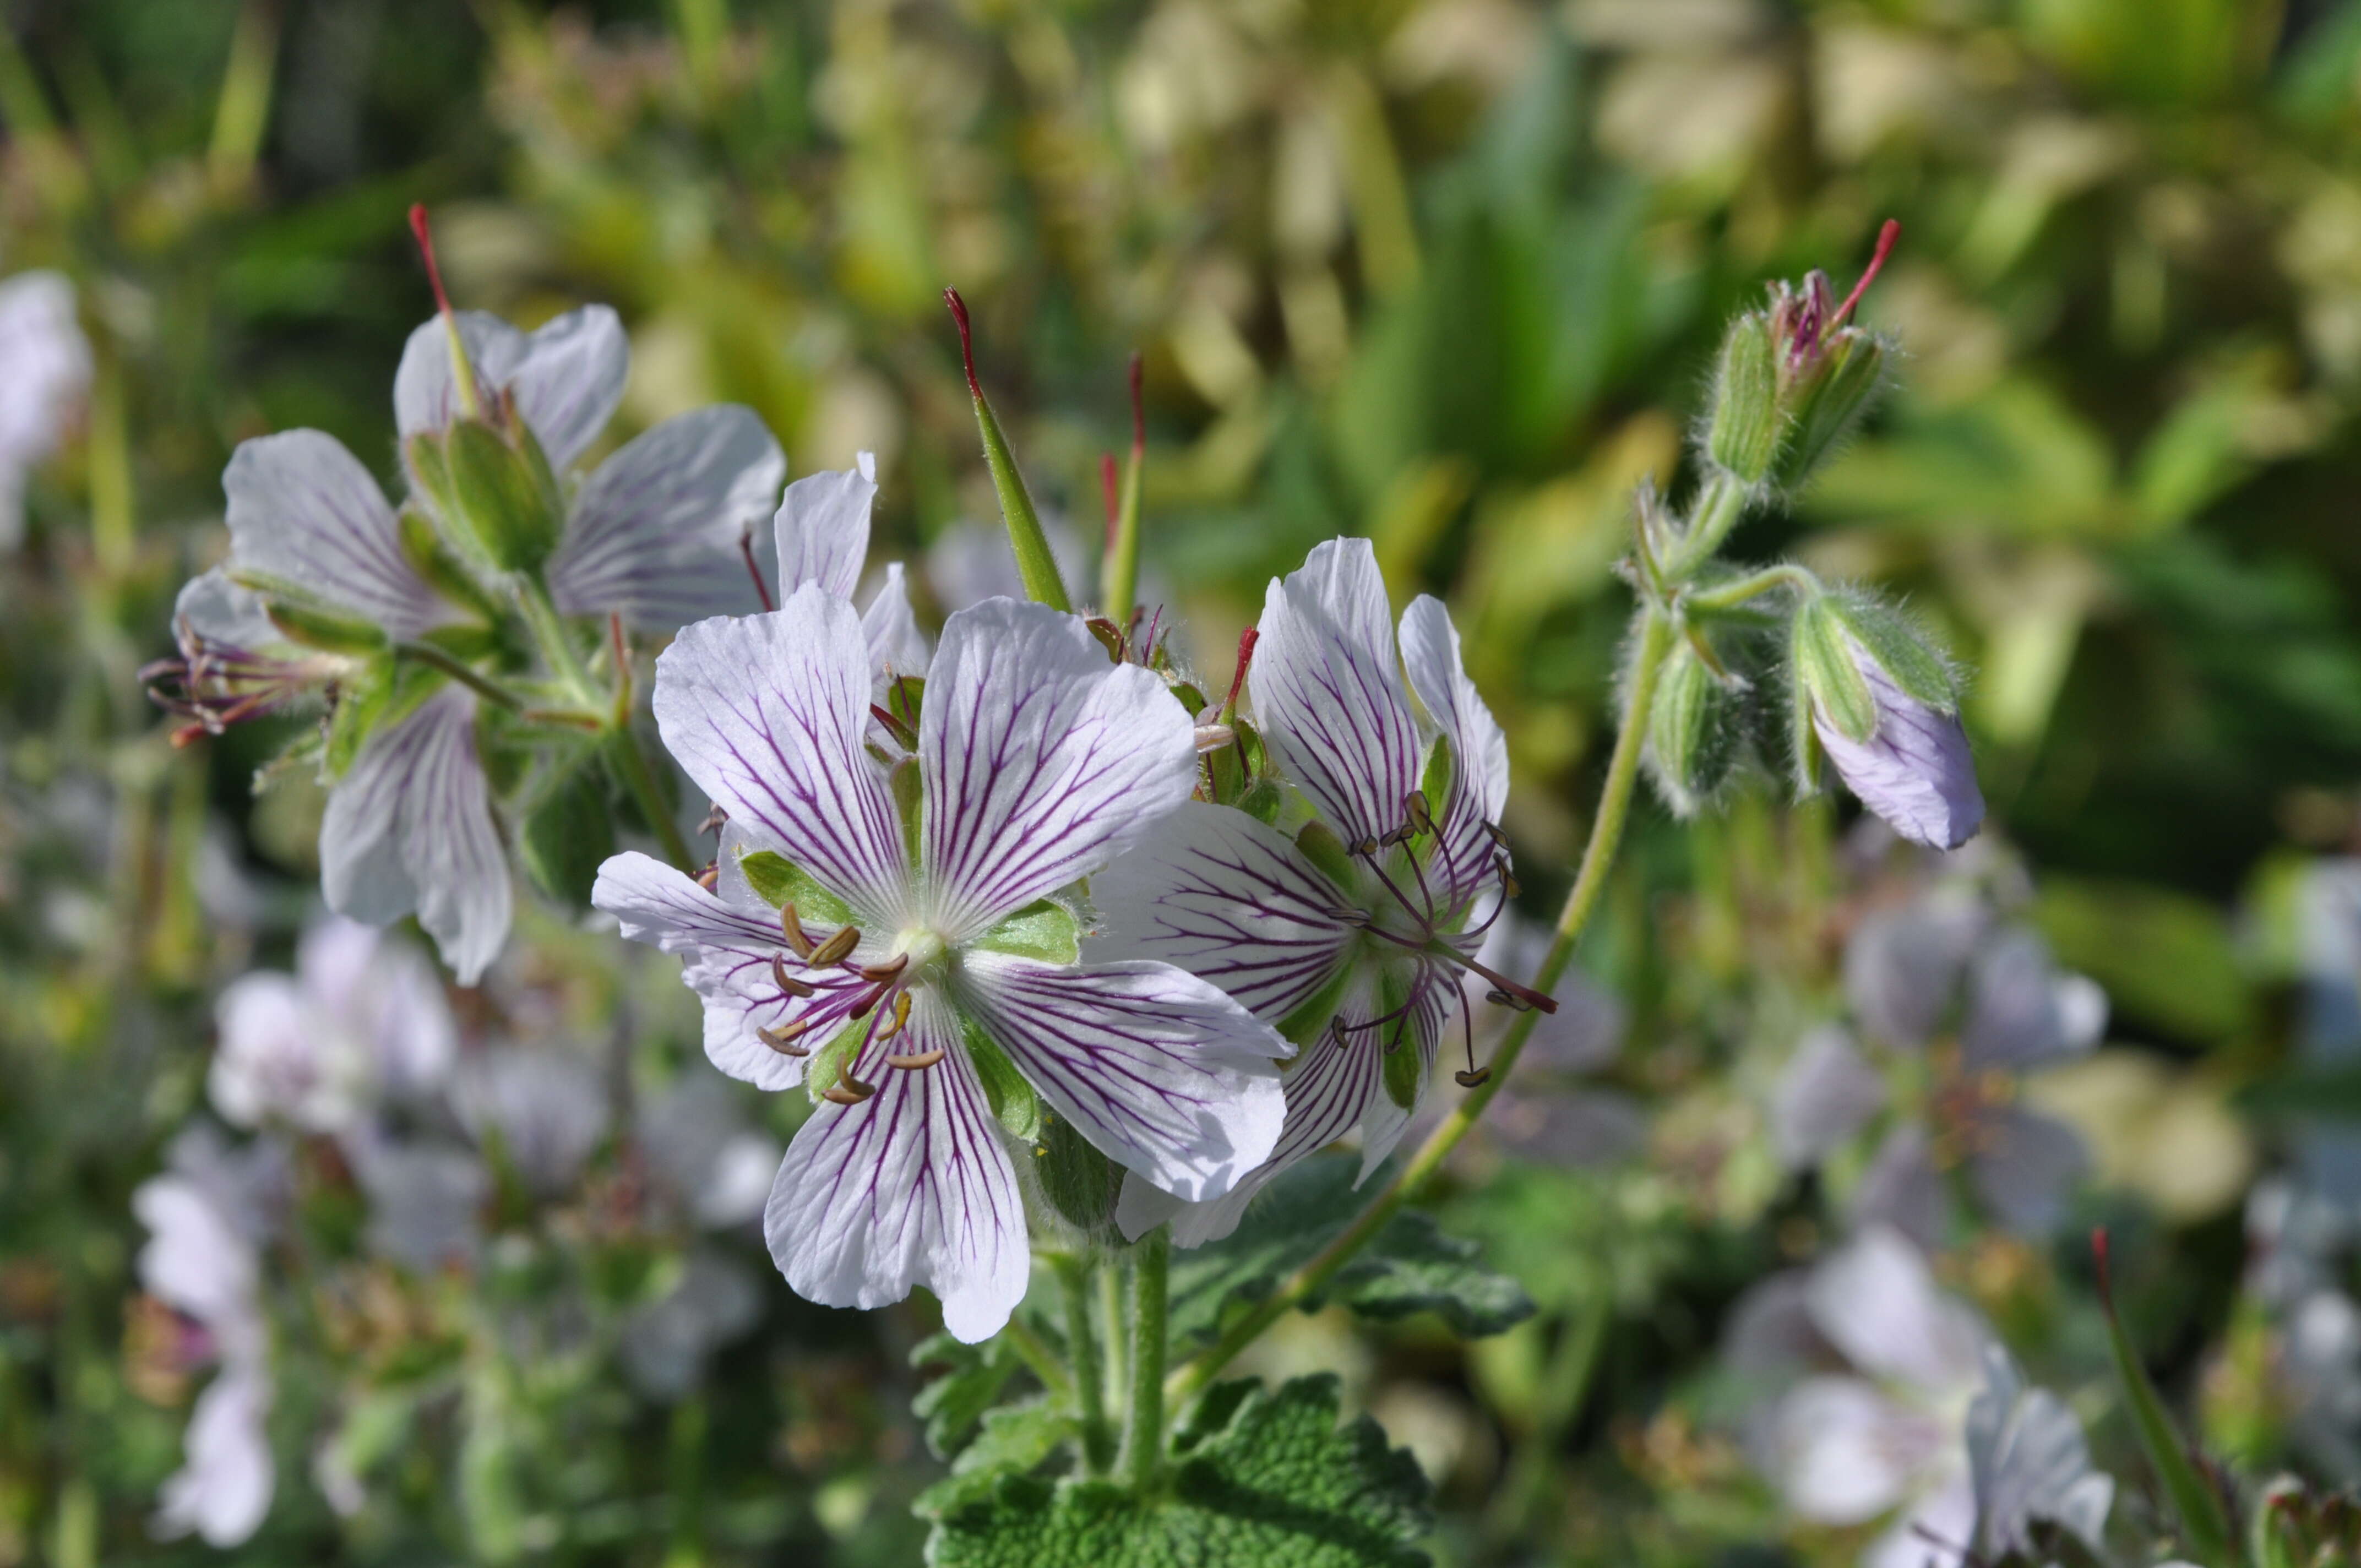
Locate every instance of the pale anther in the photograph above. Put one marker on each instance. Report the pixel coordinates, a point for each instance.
(793, 928)
(787, 982)
(836, 947)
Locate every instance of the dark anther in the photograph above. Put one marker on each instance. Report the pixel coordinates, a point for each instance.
(917, 1063)
(836, 947)
(869, 999)
(1474, 1079)
(793, 928)
(782, 1038)
(1358, 918)
(849, 1090)
(1492, 832)
(787, 982)
(1509, 1000)
(1508, 878)
(886, 970)
(1367, 847)
(1414, 807)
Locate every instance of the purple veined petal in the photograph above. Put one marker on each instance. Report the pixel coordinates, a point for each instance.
(1876, 1300)
(1826, 1095)
(896, 646)
(1455, 712)
(912, 1186)
(1915, 769)
(822, 528)
(1228, 899)
(655, 531)
(1042, 761)
(1434, 1004)
(767, 713)
(727, 956)
(410, 827)
(221, 1491)
(567, 377)
(1326, 1090)
(1843, 1452)
(2025, 1168)
(1159, 1071)
(1328, 691)
(303, 511)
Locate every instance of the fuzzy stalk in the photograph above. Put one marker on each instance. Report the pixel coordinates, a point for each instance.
(1081, 1351)
(1143, 1427)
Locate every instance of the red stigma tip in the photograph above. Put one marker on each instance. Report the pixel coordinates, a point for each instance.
(1886, 234)
(1111, 485)
(1139, 410)
(425, 237)
(967, 347)
(2106, 1275)
(1247, 641)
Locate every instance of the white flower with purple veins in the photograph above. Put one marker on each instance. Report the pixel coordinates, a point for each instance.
(362, 1019)
(1351, 934)
(200, 1261)
(2029, 1463)
(889, 938)
(44, 376)
(1878, 1369)
(821, 535)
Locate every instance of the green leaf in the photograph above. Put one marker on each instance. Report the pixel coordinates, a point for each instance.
(1260, 1479)
(777, 880)
(1079, 1182)
(1040, 930)
(1410, 1267)
(2204, 1523)
(952, 1404)
(566, 831)
(1014, 1440)
(1822, 655)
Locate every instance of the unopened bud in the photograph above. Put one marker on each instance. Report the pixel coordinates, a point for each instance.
(1692, 733)
(1743, 438)
(1877, 700)
(492, 490)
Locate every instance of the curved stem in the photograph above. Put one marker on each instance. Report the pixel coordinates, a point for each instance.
(623, 745)
(1729, 595)
(1718, 512)
(1040, 1359)
(1089, 1395)
(435, 658)
(1143, 1428)
(1589, 883)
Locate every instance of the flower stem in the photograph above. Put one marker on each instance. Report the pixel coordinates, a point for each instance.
(1090, 1395)
(1119, 573)
(436, 658)
(623, 745)
(1718, 512)
(1730, 595)
(1040, 1359)
(1589, 883)
(1143, 1428)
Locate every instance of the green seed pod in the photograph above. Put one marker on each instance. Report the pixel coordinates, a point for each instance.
(1692, 733)
(1743, 437)
(1826, 399)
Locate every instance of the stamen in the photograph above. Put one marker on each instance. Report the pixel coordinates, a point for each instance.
(1890, 231)
(794, 930)
(789, 982)
(1474, 1078)
(1415, 808)
(889, 970)
(715, 820)
(1247, 641)
(782, 1038)
(900, 1017)
(1508, 888)
(1514, 1003)
(710, 877)
(762, 588)
(869, 1000)
(918, 1063)
(835, 947)
(848, 1090)
(1357, 918)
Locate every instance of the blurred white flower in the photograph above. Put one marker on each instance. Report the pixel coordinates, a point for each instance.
(44, 377)
(715, 1166)
(361, 1020)
(665, 1343)
(2029, 1463)
(547, 1107)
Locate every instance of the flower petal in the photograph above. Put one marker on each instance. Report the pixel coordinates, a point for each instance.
(656, 533)
(2025, 1168)
(1161, 1071)
(1877, 1301)
(566, 377)
(196, 1260)
(1826, 1095)
(822, 528)
(767, 714)
(912, 1186)
(896, 646)
(1844, 1452)
(410, 827)
(726, 959)
(1434, 994)
(1902, 966)
(1228, 899)
(2022, 1013)
(1479, 776)
(223, 1491)
(1042, 761)
(1915, 769)
(303, 511)
(1328, 693)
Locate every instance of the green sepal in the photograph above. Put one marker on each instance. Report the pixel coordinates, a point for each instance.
(1305, 1026)
(904, 698)
(308, 626)
(1190, 697)
(776, 879)
(469, 642)
(1327, 853)
(1081, 1183)
(909, 803)
(1035, 566)
(1041, 930)
(566, 831)
(1899, 647)
(1827, 400)
(1441, 769)
(1261, 802)
(381, 693)
(1692, 740)
(1742, 438)
(1014, 1103)
(1403, 1067)
(832, 1061)
(436, 562)
(1827, 678)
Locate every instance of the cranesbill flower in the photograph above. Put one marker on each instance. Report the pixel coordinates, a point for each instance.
(888, 937)
(44, 376)
(1351, 935)
(821, 535)
(2029, 1463)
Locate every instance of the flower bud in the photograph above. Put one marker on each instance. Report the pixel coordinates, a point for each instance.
(492, 489)
(1692, 733)
(1872, 696)
(1743, 438)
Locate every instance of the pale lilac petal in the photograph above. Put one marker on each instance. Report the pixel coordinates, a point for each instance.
(2028, 1461)
(1328, 691)
(548, 1107)
(822, 529)
(410, 827)
(727, 956)
(1042, 761)
(283, 1056)
(381, 994)
(304, 512)
(767, 713)
(1826, 1094)
(1931, 1534)
(1163, 1073)
(196, 1260)
(1902, 966)
(896, 646)
(2025, 1168)
(1845, 1453)
(1479, 775)
(1768, 1336)
(212, 610)
(567, 377)
(1877, 1301)
(656, 532)
(424, 1199)
(912, 1186)
(1901, 1188)
(2022, 1013)
(1228, 899)
(223, 1491)
(1915, 769)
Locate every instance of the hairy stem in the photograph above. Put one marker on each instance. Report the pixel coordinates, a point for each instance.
(1039, 1359)
(1565, 1379)
(435, 658)
(1719, 508)
(1606, 835)
(1730, 595)
(1089, 1395)
(1143, 1428)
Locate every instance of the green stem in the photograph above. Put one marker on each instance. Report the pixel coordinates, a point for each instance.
(1090, 1396)
(458, 670)
(1729, 595)
(1718, 512)
(1565, 1381)
(1043, 1361)
(1143, 1429)
(557, 647)
(1117, 1344)
(623, 746)
(1590, 881)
